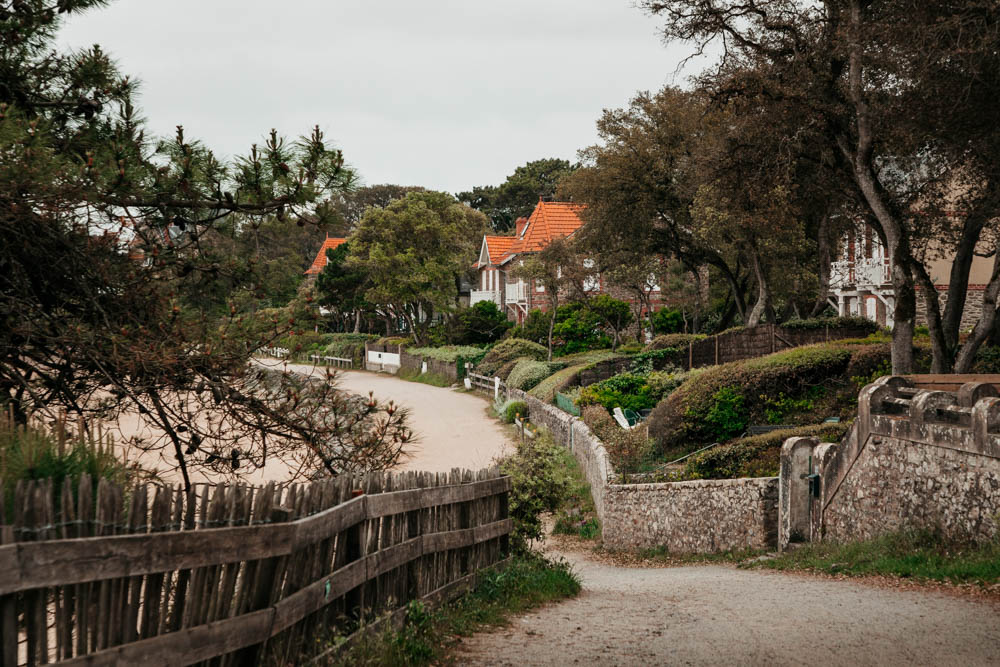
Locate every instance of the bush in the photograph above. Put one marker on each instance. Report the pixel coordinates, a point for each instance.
(507, 351)
(446, 353)
(626, 390)
(36, 453)
(558, 381)
(535, 328)
(483, 323)
(348, 346)
(598, 419)
(855, 322)
(673, 341)
(626, 448)
(540, 484)
(987, 359)
(718, 402)
(757, 456)
(667, 321)
(577, 329)
(528, 372)
(657, 359)
(512, 409)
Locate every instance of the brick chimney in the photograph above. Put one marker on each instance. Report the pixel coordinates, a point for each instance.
(519, 225)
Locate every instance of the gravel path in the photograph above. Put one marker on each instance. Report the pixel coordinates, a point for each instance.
(452, 428)
(710, 615)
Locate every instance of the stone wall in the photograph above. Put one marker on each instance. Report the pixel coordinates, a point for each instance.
(684, 517)
(693, 517)
(750, 343)
(971, 313)
(913, 459)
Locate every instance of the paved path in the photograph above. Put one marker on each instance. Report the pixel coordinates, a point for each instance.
(452, 427)
(716, 615)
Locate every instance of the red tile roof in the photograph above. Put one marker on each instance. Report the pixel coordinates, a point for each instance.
(549, 221)
(320, 261)
(497, 247)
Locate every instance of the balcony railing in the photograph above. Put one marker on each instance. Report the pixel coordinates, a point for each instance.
(863, 273)
(515, 292)
(484, 295)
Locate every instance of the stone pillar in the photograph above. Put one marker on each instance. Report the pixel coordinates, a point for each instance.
(793, 491)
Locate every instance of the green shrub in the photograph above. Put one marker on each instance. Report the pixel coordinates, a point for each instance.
(667, 320)
(673, 341)
(541, 483)
(348, 346)
(627, 448)
(507, 351)
(36, 453)
(446, 353)
(854, 322)
(631, 347)
(561, 380)
(625, 390)
(513, 409)
(657, 359)
(720, 401)
(599, 420)
(528, 372)
(987, 359)
(483, 323)
(756, 456)
(577, 329)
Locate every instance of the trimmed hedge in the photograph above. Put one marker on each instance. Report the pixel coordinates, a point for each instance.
(507, 351)
(719, 402)
(673, 341)
(757, 456)
(446, 353)
(528, 373)
(854, 322)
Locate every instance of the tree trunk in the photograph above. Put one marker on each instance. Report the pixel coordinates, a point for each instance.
(940, 352)
(987, 324)
(554, 304)
(958, 284)
(763, 304)
(357, 321)
(825, 260)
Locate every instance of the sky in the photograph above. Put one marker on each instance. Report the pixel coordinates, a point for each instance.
(447, 94)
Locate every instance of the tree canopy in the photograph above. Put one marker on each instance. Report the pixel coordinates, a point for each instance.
(517, 196)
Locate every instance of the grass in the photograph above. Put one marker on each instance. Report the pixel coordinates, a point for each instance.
(430, 377)
(577, 514)
(528, 581)
(913, 554)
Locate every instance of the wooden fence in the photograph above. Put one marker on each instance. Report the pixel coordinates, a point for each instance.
(233, 574)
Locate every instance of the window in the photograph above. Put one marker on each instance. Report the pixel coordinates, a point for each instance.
(651, 283)
(539, 287)
(591, 283)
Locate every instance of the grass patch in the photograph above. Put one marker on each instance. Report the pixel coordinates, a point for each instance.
(577, 514)
(426, 636)
(913, 554)
(430, 377)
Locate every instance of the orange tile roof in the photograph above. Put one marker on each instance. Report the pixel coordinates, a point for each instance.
(549, 221)
(320, 262)
(497, 247)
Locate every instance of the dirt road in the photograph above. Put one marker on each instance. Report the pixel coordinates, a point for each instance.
(716, 615)
(452, 428)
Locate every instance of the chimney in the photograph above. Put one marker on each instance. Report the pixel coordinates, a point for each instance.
(519, 225)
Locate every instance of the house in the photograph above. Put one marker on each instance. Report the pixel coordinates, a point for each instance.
(320, 262)
(499, 255)
(861, 280)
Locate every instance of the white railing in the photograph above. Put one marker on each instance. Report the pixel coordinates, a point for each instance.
(515, 292)
(865, 272)
(340, 362)
(871, 272)
(484, 295)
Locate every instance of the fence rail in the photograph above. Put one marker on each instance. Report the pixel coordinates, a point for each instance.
(491, 385)
(242, 574)
(340, 362)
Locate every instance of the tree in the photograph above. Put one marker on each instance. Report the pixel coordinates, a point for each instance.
(351, 205)
(413, 251)
(639, 184)
(898, 91)
(549, 268)
(342, 286)
(116, 259)
(517, 196)
(614, 313)
(482, 323)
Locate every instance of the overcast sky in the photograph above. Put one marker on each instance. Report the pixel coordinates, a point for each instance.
(446, 94)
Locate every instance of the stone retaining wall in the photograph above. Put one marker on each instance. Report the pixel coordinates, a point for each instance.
(913, 459)
(684, 517)
(693, 517)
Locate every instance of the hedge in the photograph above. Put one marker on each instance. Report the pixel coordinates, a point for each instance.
(676, 341)
(446, 353)
(757, 456)
(528, 372)
(719, 402)
(507, 351)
